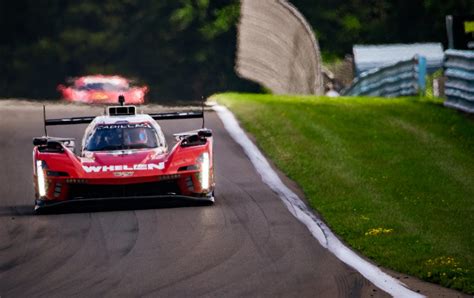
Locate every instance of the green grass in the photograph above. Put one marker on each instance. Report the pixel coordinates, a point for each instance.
(393, 177)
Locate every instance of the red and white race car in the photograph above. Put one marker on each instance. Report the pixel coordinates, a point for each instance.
(102, 89)
(124, 155)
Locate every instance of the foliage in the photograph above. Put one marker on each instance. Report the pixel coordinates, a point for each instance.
(429, 83)
(341, 23)
(392, 177)
(183, 49)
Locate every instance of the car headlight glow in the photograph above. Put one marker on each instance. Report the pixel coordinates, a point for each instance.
(204, 159)
(41, 178)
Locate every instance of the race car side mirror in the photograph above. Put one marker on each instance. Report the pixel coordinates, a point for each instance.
(205, 133)
(70, 144)
(40, 141)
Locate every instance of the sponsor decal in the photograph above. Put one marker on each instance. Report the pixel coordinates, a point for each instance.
(124, 168)
(123, 125)
(123, 174)
(178, 163)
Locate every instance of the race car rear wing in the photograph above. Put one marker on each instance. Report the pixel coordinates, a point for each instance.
(68, 121)
(122, 110)
(177, 115)
(89, 119)
(156, 116)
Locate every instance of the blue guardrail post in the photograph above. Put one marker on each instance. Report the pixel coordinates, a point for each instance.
(421, 75)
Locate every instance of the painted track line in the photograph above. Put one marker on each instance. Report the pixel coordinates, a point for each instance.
(298, 208)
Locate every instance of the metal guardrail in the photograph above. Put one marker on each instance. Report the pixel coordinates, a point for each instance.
(277, 48)
(459, 87)
(400, 79)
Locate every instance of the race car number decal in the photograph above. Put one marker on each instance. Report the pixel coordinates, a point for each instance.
(114, 168)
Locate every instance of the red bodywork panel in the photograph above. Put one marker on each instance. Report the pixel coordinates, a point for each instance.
(181, 167)
(100, 89)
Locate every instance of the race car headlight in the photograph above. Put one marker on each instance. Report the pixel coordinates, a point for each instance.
(40, 165)
(205, 165)
(138, 93)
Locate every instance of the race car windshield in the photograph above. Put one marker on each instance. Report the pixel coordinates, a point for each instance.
(102, 87)
(122, 137)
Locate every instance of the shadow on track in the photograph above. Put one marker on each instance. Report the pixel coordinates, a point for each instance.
(16, 210)
(101, 206)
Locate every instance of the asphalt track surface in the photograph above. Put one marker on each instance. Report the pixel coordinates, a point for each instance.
(247, 244)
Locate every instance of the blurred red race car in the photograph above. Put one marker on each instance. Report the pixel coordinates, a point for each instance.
(102, 89)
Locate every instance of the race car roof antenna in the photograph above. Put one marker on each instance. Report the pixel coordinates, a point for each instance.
(44, 121)
(121, 100)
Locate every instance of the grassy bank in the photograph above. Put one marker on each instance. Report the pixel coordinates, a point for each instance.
(393, 177)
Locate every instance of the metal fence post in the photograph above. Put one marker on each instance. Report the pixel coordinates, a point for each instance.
(421, 75)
